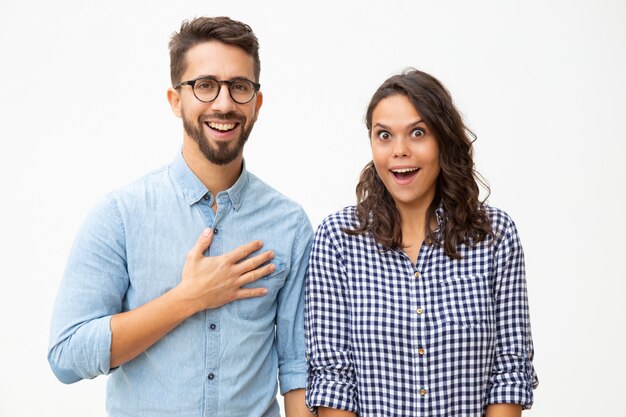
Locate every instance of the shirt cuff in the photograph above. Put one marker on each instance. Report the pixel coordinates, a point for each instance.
(84, 355)
(511, 388)
(331, 394)
(292, 375)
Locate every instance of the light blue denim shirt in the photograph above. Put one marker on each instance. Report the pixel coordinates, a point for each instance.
(219, 362)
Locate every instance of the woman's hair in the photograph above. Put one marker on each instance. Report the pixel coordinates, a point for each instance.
(457, 189)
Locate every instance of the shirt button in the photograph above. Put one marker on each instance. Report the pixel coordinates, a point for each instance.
(213, 326)
(417, 274)
(206, 196)
(216, 231)
(422, 391)
(421, 351)
(211, 376)
(420, 311)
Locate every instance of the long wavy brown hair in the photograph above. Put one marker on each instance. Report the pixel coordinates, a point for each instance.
(457, 190)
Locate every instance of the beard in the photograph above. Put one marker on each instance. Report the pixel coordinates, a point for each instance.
(220, 153)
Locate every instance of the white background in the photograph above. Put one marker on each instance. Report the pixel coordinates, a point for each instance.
(542, 83)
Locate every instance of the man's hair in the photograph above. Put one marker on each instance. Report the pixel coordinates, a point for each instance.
(204, 29)
(457, 184)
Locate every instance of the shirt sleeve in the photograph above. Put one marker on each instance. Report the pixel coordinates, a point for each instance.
(91, 291)
(290, 313)
(332, 380)
(513, 376)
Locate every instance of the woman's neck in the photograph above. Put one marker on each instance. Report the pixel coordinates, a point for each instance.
(413, 220)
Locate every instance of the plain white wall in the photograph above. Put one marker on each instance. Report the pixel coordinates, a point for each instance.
(542, 84)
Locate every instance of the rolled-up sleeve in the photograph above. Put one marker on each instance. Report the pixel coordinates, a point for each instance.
(290, 313)
(513, 376)
(327, 326)
(91, 291)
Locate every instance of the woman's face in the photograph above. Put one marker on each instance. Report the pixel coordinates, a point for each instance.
(405, 152)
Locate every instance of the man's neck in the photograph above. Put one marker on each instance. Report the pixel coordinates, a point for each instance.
(216, 178)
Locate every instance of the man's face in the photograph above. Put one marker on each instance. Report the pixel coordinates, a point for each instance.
(222, 126)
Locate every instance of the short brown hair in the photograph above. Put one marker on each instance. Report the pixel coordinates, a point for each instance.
(204, 29)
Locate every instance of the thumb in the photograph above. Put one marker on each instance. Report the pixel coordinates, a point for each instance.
(203, 242)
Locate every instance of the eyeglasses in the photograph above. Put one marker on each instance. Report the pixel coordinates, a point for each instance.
(206, 89)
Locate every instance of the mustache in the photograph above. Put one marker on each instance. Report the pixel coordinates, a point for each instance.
(224, 116)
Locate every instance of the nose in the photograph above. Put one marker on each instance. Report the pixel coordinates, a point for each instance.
(401, 148)
(223, 103)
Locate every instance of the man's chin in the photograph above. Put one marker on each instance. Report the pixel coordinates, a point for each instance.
(222, 154)
(217, 150)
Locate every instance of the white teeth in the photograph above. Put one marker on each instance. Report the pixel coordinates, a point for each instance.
(221, 126)
(403, 170)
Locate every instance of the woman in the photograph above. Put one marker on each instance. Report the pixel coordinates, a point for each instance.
(416, 298)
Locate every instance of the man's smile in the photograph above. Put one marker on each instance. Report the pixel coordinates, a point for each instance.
(222, 127)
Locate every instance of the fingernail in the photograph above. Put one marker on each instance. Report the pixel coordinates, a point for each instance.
(206, 232)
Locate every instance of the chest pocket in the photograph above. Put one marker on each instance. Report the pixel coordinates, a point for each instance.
(466, 300)
(259, 306)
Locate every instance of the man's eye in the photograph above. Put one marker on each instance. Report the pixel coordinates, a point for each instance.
(205, 84)
(241, 86)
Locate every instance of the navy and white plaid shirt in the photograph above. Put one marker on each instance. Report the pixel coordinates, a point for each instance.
(444, 337)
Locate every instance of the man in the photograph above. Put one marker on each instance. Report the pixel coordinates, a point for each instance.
(203, 332)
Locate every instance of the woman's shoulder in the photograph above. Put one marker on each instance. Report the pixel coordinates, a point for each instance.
(501, 221)
(335, 230)
(346, 217)
(335, 224)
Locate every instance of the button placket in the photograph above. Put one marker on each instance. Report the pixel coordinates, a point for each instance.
(422, 285)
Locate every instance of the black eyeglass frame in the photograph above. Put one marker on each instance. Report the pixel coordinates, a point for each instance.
(192, 83)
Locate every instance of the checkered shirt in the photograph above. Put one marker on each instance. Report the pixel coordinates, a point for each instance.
(444, 337)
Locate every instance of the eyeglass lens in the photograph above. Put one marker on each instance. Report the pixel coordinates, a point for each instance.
(207, 89)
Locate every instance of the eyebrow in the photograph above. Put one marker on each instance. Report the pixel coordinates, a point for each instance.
(237, 77)
(383, 126)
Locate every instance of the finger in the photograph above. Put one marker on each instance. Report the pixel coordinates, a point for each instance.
(243, 251)
(254, 262)
(257, 273)
(251, 292)
(203, 242)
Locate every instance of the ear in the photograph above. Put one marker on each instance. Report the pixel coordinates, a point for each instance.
(174, 99)
(257, 104)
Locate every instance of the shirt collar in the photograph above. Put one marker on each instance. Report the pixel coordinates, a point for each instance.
(236, 192)
(193, 189)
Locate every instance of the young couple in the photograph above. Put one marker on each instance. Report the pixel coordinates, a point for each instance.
(198, 287)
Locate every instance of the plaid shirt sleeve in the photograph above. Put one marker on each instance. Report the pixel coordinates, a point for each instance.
(513, 376)
(331, 380)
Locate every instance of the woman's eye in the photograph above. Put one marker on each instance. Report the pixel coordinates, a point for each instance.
(383, 135)
(418, 133)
